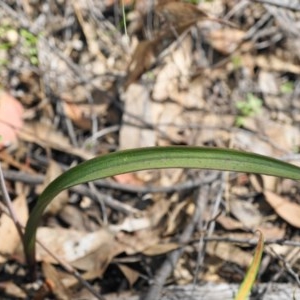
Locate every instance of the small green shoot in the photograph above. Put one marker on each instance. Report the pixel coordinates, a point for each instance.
(195, 2)
(30, 45)
(252, 106)
(287, 87)
(3, 62)
(250, 277)
(124, 19)
(4, 45)
(237, 61)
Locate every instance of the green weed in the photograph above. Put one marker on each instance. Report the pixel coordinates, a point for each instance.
(250, 107)
(30, 45)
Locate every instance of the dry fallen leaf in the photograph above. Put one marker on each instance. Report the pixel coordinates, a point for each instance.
(174, 217)
(131, 224)
(159, 249)
(270, 231)
(45, 135)
(137, 103)
(142, 58)
(8, 231)
(227, 40)
(130, 274)
(174, 75)
(229, 253)
(11, 112)
(270, 63)
(128, 178)
(71, 245)
(246, 213)
(96, 262)
(13, 290)
(286, 209)
(76, 114)
(136, 242)
(229, 223)
(57, 286)
(53, 171)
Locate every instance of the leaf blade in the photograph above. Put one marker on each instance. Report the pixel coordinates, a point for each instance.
(153, 158)
(249, 279)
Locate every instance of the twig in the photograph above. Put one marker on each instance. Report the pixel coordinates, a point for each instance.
(170, 262)
(216, 207)
(188, 184)
(100, 134)
(202, 202)
(100, 200)
(69, 124)
(106, 199)
(249, 242)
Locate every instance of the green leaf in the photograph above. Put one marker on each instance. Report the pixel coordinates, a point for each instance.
(152, 158)
(249, 279)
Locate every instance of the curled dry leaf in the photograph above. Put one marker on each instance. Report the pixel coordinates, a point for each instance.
(286, 209)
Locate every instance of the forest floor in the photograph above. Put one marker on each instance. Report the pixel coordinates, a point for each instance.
(77, 83)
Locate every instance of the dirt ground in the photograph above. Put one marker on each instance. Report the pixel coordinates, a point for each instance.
(80, 79)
